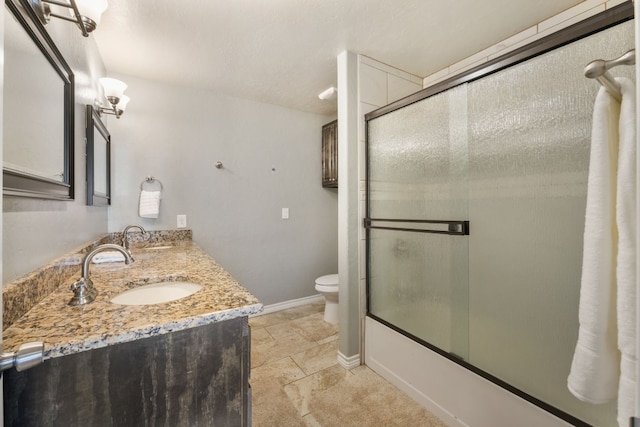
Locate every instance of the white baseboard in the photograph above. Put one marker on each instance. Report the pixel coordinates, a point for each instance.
(272, 308)
(349, 362)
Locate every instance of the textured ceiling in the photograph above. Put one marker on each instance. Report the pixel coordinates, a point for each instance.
(284, 52)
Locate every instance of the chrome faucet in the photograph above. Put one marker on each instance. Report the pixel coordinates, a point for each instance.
(125, 239)
(83, 290)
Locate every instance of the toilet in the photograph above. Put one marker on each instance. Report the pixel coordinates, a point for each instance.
(328, 287)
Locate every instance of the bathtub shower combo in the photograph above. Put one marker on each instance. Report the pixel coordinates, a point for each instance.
(476, 193)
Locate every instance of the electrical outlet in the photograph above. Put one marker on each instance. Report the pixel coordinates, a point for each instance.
(285, 213)
(182, 221)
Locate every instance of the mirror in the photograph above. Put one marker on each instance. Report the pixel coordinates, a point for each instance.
(98, 160)
(38, 110)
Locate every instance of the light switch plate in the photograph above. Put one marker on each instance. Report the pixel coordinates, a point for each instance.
(285, 213)
(181, 221)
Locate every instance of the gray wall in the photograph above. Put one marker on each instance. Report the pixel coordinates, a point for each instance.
(37, 231)
(177, 134)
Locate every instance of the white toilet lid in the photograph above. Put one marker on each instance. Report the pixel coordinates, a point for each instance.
(328, 280)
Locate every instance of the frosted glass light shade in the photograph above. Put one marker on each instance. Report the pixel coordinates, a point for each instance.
(92, 9)
(124, 100)
(113, 89)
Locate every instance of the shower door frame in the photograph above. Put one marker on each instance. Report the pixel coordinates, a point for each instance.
(609, 18)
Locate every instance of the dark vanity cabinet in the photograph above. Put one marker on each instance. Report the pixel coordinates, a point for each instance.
(192, 377)
(330, 155)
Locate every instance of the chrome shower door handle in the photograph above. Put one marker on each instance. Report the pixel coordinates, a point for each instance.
(27, 356)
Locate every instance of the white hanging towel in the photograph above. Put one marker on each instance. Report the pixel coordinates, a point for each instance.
(595, 367)
(626, 263)
(149, 206)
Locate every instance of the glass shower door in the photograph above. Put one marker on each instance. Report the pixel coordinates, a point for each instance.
(509, 153)
(529, 139)
(418, 208)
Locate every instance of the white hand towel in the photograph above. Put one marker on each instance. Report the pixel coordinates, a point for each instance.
(149, 204)
(595, 367)
(108, 256)
(626, 263)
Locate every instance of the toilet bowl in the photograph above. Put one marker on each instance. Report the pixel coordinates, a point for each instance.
(328, 287)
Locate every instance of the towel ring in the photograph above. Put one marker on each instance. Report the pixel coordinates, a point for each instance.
(151, 181)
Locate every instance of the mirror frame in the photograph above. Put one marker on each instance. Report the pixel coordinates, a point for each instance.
(95, 124)
(21, 184)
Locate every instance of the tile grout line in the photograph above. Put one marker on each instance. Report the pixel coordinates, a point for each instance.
(311, 389)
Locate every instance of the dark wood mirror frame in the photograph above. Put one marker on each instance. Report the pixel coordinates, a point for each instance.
(95, 125)
(16, 183)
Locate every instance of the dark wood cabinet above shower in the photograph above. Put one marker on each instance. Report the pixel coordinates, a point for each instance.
(330, 155)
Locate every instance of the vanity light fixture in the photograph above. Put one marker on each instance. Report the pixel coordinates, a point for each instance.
(114, 92)
(85, 13)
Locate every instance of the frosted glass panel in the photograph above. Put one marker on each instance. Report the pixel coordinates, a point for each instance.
(510, 154)
(418, 165)
(418, 160)
(421, 285)
(529, 142)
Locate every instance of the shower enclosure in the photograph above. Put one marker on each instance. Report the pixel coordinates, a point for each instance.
(475, 216)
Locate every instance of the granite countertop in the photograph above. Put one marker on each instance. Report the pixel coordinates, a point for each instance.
(67, 330)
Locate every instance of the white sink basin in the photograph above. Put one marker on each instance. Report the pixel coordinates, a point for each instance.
(156, 293)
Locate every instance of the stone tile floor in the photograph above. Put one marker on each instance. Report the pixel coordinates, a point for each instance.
(296, 379)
